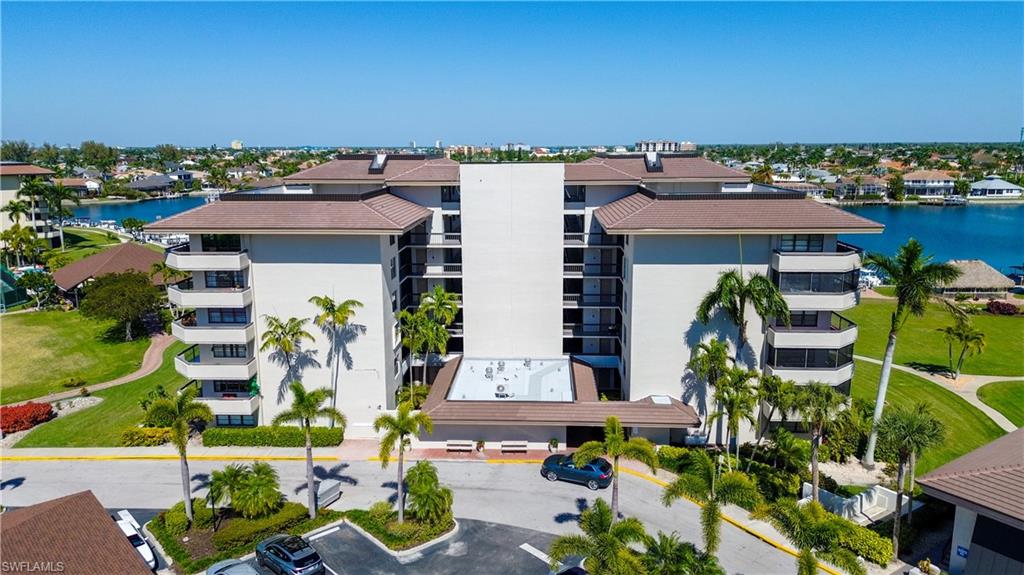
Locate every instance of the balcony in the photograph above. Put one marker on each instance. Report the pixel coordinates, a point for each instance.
(840, 332)
(414, 299)
(576, 300)
(845, 258)
(187, 331)
(591, 270)
(448, 270)
(829, 376)
(182, 258)
(446, 240)
(575, 240)
(225, 403)
(456, 330)
(209, 297)
(590, 330)
(189, 364)
(821, 301)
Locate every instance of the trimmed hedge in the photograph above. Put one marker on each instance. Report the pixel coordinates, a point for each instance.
(397, 536)
(866, 543)
(245, 531)
(145, 436)
(271, 436)
(670, 457)
(14, 418)
(176, 522)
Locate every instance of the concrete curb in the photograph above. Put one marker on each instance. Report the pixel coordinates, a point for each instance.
(405, 553)
(168, 562)
(161, 458)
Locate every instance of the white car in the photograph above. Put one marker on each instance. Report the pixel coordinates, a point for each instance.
(133, 532)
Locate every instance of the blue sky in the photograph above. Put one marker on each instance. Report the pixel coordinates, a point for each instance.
(385, 74)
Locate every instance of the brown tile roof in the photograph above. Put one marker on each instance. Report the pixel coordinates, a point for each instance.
(586, 410)
(641, 212)
(590, 171)
(382, 213)
(990, 480)
(927, 175)
(74, 530)
(633, 167)
(118, 259)
(71, 182)
(399, 168)
(22, 169)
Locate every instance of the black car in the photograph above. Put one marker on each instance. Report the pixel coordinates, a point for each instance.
(288, 555)
(595, 475)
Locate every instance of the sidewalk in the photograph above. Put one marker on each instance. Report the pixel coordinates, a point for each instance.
(966, 386)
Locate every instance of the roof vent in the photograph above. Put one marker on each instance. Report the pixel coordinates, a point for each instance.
(652, 161)
(378, 163)
(661, 399)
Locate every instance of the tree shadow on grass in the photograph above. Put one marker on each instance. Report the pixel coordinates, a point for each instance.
(930, 368)
(581, 505)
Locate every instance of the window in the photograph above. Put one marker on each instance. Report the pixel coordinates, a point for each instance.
(803, 319)
(451, 194)
(230, 350)
(231, 386)
(624, 335)
(391, 240)
(227, 315)
(801, 358)
(575, 194)
(802, 243)
(394, 301)
(224, 279)
(573, 224)
(221, 243)
(452, 224)
(235, 421)
(809, 282)
(393, 270)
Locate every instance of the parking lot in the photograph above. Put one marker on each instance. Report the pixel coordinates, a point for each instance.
(479, 547)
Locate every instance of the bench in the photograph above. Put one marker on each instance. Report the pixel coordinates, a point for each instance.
(513, 446)
(459, 445)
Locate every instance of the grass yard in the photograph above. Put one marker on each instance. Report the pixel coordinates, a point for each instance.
(42, 349)
(888, 291)
(967, 428)
(81, 243)
(1006, 397)
(101, 426)
(920, 342)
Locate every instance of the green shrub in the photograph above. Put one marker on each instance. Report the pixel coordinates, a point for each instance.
(380, 512)
(271, 436)
(245, 531)
(145, 436)
(773, 483)
(176, 522)
(73, 382)
(669, 457)
(866, 543)
(398, 536)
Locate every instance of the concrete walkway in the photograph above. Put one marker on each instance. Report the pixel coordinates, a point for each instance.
(966, 386)
(151, 361)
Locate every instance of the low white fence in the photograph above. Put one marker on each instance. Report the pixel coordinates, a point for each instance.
(868, 506)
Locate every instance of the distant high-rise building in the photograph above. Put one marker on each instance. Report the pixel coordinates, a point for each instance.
(664, 146)
(412, 143)
(438, 144)
(237, 145)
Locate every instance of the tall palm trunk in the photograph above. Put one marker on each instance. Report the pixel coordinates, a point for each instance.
(910, 490)
(899, 511)
(883, 386)
(960, 362)
(815, 443)
(401, 479)
(60, 227)
(335, 375)
(760, 437)
(185, 486)
(310, 486)
(615, 488)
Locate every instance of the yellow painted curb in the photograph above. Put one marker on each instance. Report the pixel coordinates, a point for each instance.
(160, 458)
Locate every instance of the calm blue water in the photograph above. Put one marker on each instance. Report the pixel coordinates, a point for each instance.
(993, 233)
(149, 210)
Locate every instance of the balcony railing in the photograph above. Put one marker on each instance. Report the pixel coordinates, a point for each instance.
(414, 299)
(190, 364)
(456, 329)
(590, 329)
(184, 295)
(592, 300)
(443, 239)
(227, 403)
(432, 270)
(183, 258)
(579, 269)
(581, 239)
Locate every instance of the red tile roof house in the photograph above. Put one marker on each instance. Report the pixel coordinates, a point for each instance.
(118, 259)
(987, 488)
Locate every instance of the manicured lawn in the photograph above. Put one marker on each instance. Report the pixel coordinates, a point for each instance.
(42, 349)
(889, 291)
(967, 427)
(81, 242)
(920, 341)
(1006, 397)
(101, 426)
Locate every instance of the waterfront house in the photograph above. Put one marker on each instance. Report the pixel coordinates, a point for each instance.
(812, 189)
(859, 185)
(157, 185)
(985, 486)
(84, 187)
(126, 257)
(573, 280)
(978, 280)
(928, 184)
(993, 188)
(13, 176)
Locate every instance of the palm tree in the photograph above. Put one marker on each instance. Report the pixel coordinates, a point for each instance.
(429, 501)
(970, 340)
(259, 492)
(17, 209)
(55, 195)
(732, 293)
(909, 430)
(915, 278)
(604, 544)
(20, 241)
(709, 361)
(414, 394)
(780, 394)
(181, 412)
(818, 405)
(223, 485)
(334, 318)
(762, 175)
(793, 451)
(933, 433)
(615, 445)
(307, 407)
(668, 555)
(397, 430)
(167, 274)
(413, 327)
(814, 531)
(737, 400)
(440, 305)
(698, 480)
(285, 338)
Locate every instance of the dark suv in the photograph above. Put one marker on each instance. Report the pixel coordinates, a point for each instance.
(595, 475)
(288, 555)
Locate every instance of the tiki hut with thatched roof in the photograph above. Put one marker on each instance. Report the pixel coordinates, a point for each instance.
(977, 279)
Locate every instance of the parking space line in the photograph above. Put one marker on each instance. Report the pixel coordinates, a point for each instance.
(332, 571)
(324, 533)
(536, 553)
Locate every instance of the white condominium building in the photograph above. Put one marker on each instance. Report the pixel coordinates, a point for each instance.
(576, 281)
(12, 178)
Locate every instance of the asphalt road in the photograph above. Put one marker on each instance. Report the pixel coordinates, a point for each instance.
(508, 494)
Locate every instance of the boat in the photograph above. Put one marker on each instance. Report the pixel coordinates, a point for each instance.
(954, 201)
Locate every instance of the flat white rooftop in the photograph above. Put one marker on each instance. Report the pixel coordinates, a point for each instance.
(522, 379)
